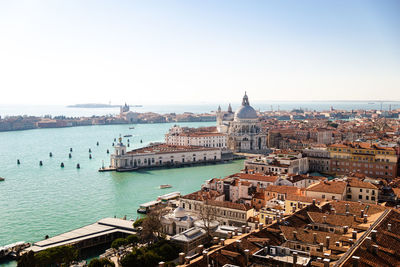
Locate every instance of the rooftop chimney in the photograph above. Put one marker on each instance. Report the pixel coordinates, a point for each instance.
(315, 238)
(321, 247)
(326, 262)
(238, 244)
(199, 249)
(313, 201)
(389, 227)
(373, 235)
(294, 258)
(355, 261)
(365, 220)
(347, 208)
(222, 241)
(181, 258)
(247, 252)
(295, 235)
(243, 229)
(324, 219)
(328, 238)
(362, 214)
(261, 226)
(354, 235)
(375, 249)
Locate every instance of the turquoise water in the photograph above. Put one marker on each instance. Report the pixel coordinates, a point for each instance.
(48, 200)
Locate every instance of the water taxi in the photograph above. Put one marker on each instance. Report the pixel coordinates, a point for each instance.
(147, 207)
(165, 186)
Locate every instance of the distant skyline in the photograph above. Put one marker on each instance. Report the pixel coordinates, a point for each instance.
(195, 52)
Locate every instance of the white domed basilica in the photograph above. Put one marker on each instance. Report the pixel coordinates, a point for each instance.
(243, 128)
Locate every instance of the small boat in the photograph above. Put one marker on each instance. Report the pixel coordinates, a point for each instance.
(1, 179)
(132, 128)
(165, 186)
(128, 135)
(141, 141)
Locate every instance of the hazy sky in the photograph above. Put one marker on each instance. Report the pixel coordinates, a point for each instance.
(79, 51)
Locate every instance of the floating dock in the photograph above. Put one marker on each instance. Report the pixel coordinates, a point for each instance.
(102, 232)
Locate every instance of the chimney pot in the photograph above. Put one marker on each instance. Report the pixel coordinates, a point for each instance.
(389, 227)
(355, 260)
(321, 247)
(294, 258)
(354, 235)
(375, 249)
(324, 219)
(261, 226)
(362, 213)
(373, 235)
(181, 258)
(328, 238)
(222, 241)
(326, 262)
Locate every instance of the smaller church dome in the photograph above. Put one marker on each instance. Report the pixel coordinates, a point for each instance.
(179, 212)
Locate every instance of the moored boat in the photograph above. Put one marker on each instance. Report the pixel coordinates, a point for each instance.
(165, 186)
(147, 207)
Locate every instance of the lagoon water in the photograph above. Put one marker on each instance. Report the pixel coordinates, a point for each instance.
(48, 200)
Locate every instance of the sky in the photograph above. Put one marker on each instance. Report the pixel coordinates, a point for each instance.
(194, 52)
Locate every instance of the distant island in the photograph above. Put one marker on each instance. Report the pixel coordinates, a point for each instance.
(94, 105)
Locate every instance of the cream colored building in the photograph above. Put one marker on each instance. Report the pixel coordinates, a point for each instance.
(191, 137)
(161, 155)
(333, 190)
(361, 191)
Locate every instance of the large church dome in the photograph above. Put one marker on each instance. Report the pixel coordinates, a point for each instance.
(245, 112)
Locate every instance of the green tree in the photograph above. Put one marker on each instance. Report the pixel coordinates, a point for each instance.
(138, 222)
(101, 263)
(132, 239)
(119, 242)
(27, 260)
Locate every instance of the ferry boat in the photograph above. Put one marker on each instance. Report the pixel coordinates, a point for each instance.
(165, 186)
(147, 207)
(128, 135)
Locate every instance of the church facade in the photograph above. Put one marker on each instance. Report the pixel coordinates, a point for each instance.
(243, 128)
